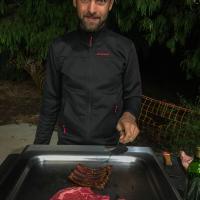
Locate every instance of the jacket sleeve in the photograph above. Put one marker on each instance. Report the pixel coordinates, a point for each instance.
(132, 90)
(50, 104)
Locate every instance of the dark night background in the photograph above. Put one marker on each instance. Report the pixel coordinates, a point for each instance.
(162, 76)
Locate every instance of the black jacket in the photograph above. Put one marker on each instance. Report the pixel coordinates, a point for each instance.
(91, 79)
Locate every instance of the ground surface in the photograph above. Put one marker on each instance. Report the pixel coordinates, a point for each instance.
(19, 109)
(19, 102)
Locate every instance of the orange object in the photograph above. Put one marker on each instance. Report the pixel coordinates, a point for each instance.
(167, 158)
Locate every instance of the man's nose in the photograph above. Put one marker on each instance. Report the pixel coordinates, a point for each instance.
(92, 7)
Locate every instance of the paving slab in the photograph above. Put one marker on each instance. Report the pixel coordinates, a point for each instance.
(14, 138)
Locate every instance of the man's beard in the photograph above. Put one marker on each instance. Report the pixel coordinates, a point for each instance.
(92, 27)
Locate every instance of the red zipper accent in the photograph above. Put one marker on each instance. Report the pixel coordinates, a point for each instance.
(90, 41)
(64, 130)
(116, 109)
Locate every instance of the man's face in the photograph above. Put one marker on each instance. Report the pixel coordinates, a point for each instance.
(92, 13)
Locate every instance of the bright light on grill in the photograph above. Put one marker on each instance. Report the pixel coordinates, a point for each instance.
(92, 158)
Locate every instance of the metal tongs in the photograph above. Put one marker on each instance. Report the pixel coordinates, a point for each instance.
(117, 150)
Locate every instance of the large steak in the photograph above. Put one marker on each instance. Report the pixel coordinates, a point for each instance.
(78, 193)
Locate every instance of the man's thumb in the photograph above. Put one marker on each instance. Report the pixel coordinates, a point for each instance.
(119, 127)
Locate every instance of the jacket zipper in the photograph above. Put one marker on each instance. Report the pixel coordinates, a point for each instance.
(89, 80)
(90, 45)
(90, 41)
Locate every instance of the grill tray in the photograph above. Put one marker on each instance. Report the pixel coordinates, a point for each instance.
(42, 170)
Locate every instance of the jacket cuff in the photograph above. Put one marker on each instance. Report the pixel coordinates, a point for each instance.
(133, 106)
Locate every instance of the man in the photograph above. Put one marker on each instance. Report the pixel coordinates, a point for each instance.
(92, 83)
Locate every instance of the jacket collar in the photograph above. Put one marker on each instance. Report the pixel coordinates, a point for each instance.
(89, 38)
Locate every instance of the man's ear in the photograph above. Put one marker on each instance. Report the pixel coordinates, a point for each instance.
(111, 5)
(74, 3)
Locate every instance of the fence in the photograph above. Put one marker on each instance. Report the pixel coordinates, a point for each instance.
(158, 119)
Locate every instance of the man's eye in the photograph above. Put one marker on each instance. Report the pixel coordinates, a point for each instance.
(85, 1)
(101, 2)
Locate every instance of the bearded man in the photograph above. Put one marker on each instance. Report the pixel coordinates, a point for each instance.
(92, 86)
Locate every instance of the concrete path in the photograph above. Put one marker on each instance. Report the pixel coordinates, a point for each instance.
(14, 137)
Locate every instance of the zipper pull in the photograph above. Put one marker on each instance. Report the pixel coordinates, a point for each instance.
(115, 108)
(90, 41)
(64, 130)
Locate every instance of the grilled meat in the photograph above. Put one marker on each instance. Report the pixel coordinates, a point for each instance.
(91, 177)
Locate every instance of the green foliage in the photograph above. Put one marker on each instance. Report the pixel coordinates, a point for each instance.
(191, 63)
(172, 23)
(187, 135)
(28, 26)
(191, 105)
(28, 31)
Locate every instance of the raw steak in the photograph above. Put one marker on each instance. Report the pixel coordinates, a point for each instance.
(78, 193)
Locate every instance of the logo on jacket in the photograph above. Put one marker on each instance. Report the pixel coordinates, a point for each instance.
(103, 53)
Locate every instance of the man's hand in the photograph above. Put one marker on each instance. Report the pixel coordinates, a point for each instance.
(185, 159)
(127, 127)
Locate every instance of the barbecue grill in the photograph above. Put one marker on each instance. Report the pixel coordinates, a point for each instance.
(41, 170)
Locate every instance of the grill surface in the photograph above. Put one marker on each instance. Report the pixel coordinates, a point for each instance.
(43, 170)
